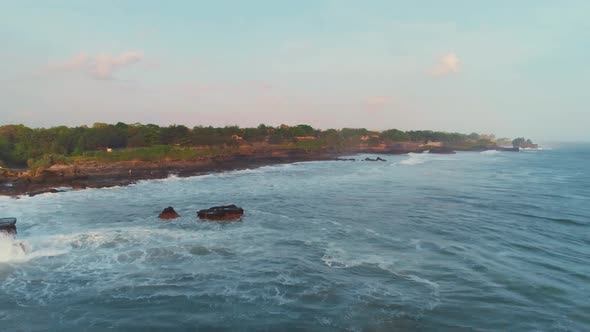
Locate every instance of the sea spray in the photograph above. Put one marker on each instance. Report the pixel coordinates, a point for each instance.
(489, 152)
(12, 249)
(415, 158)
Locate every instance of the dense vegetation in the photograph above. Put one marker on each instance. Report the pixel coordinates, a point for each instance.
(21, 146)
(521, 142)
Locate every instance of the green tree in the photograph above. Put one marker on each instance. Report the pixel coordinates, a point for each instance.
(518, 142)
(395, 135)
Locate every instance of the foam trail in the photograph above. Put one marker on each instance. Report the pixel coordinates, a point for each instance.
(489, 152)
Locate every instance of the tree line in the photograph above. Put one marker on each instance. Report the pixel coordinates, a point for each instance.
(21, 145)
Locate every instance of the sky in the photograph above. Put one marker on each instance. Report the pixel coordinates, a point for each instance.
(512, 68)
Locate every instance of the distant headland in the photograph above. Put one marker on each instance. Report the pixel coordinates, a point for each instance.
(37, 160)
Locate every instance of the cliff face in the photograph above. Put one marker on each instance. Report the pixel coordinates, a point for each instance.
(9, 174)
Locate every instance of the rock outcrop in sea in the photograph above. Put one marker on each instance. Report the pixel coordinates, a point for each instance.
(168, 213)
(508, 149)
(376, 159)
(44, 191)
(442, 150)
(219, 213)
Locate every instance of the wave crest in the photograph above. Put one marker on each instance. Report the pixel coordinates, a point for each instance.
(415, 158)
(12, 250)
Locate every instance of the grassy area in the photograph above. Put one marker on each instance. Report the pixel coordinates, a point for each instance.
(153, 153)
(310, 145)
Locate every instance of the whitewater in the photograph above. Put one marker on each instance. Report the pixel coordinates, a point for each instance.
(490, 241)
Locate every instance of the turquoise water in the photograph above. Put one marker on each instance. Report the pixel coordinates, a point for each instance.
(489, 241)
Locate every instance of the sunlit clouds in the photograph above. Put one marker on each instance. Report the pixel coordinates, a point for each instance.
(101, 66)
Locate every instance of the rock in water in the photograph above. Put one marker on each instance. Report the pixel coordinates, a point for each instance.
(508, 149)
(44, 191)
(378, 159)
(168, 213)
(442, 150)
(227, 212)
(8, 226)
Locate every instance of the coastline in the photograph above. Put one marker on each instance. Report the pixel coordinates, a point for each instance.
(109, 174)
(104, 175)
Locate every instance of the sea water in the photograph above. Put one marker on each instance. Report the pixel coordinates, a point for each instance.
(491, 241)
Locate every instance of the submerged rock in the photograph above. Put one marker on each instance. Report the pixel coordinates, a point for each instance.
(226, 212)
(377, 159)
(508, 149)
(168, 213)
(442, 150)
(8, 226)
(44, 191)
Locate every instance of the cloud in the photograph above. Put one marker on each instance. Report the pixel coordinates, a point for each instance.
(101, 66)
(447, 64)
(105, 64)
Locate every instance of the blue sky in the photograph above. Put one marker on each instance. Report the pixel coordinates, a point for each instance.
(504, 67)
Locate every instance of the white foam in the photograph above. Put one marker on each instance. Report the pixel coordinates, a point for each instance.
(420, 280)
(415, 158)
(11, 249)
(16, 251)
(20, 251)
(489, 152)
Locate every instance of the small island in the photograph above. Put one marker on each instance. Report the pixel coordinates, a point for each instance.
(39, 160)
(523, 143)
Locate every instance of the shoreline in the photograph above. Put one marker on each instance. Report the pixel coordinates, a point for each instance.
(124, 173)
(105, 175)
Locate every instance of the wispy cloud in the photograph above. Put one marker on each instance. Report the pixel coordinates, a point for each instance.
(105, 64)
(446, 65)
(100, 66)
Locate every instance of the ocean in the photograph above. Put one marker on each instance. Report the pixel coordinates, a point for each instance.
(491, 241)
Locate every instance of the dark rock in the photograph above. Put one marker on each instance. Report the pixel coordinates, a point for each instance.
(39, 192)
(8, 226)
(227, 212)
(377, 159)
(345, 159)
(168, 213)
(442, 150)
(508, 149)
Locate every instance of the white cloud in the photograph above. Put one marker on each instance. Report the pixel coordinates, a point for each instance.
(446, 65)
(101, 66)
(105, 64)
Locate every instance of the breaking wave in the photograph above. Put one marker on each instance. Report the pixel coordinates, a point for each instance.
(12, 250)
(490, 152)
(416, 158)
